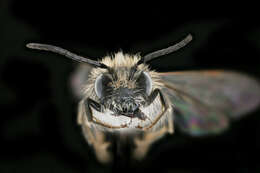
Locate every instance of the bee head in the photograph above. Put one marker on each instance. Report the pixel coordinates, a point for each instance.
(125, 86)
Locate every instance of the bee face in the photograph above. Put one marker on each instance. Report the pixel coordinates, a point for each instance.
(123, 94)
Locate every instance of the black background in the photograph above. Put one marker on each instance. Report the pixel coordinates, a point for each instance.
(38, 130)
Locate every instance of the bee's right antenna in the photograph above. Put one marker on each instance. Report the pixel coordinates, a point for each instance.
(66, 53)
(165, 51)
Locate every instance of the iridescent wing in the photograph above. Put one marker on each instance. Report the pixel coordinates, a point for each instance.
(205, 101)
(79, 78)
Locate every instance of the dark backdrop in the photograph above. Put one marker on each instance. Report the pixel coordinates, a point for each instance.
(38, 130)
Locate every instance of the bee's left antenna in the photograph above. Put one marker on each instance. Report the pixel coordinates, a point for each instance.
(66, 53)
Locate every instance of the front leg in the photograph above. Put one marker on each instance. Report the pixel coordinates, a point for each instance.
(94, 136)
(143, 144)
(161, 128)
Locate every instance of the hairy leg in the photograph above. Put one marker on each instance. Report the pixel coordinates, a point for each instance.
(149, 137)
(94, 136)
(142, 145)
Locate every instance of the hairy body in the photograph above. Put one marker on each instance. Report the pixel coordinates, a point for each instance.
(143, 132)
(121, 97)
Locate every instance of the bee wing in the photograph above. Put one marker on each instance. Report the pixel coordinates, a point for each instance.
(79, 78)
(204, 101)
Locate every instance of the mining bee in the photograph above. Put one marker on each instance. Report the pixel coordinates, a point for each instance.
(121, 95)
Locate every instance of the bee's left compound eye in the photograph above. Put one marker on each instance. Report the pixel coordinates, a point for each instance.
(100, 84)
(145, 81)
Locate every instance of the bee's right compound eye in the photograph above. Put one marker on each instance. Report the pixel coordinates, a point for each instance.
(100, 85)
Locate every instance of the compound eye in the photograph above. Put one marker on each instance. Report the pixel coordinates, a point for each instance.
(145, 81)
(100, 85)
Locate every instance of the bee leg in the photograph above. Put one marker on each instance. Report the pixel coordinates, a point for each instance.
(149, 137)
(143, 144)
(94, 136)
(153, 96)
(97, 140)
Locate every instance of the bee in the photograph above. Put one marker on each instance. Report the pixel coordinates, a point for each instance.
(122, 96)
